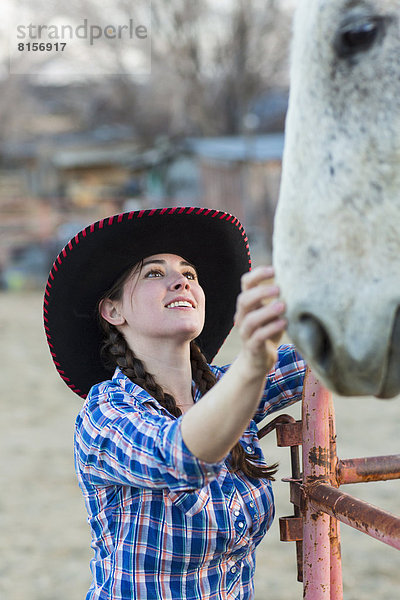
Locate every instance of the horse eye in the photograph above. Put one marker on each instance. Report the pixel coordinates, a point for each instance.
(358, 36)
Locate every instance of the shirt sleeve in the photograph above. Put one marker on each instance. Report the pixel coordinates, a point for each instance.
(283, 384)
(119, 441)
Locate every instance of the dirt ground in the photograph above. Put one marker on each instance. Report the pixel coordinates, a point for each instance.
(44, 539)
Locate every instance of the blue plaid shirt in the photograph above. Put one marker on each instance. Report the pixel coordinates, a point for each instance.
(166, 525)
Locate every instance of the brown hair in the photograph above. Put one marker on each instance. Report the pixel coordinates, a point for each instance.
(116, 352)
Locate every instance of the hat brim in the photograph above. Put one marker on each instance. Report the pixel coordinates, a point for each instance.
(213, 241)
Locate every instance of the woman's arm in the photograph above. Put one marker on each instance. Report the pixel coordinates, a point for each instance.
(213, 426)
(119, 441)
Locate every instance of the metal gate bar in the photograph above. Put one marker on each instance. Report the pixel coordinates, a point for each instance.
(316, 468)
(320, 499)
(373, 468)
(360, 515)
(336, 591)
(318, 504)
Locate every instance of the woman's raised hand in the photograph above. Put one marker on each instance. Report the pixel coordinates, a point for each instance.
(259, 318)
(213, 425)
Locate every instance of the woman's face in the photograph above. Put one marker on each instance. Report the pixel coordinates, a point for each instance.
(161, 300)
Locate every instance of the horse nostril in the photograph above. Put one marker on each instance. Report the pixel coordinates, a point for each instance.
(314, 340)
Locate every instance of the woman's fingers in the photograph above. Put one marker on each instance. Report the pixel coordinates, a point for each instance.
(261, 317)
(264, 334)
(256, 276)
(257, 290)
(253, 298)
(262, 345)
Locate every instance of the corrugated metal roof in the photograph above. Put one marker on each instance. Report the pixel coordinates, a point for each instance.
(258, 148)
(78, 157)
(128, 156)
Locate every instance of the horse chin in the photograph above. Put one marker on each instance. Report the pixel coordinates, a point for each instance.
(359, 384)
(372, 373)
(390, 386)
(389, 390)
(355, 382)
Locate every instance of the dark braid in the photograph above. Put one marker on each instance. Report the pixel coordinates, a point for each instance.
(116, 352)
(202, 375)
(240, 460)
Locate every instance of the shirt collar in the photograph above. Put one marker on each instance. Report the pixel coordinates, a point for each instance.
(133, 389)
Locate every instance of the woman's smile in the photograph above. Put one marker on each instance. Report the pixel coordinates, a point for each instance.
(185, 303)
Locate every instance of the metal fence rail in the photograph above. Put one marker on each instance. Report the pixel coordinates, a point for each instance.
(318, 503)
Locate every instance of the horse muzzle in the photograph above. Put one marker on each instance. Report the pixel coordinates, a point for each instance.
(365, 366)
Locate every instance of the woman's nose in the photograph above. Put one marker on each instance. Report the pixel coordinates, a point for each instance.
(180, 282)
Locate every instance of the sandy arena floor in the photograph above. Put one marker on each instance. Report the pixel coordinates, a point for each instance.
(44, 538)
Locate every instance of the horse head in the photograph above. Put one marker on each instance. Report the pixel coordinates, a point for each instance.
(337, 225)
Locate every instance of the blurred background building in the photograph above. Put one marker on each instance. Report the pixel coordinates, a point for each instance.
(204, 128)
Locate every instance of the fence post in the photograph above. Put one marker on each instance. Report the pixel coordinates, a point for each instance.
(321, 504)
(316, 467)
(334, 534)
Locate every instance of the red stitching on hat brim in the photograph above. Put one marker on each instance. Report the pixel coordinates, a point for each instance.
(119, 218)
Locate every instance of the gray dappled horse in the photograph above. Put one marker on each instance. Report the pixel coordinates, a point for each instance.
(337, 228)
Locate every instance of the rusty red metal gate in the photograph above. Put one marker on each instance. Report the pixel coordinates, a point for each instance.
(319, 505)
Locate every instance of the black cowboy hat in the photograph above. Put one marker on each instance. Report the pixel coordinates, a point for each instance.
(213, 241)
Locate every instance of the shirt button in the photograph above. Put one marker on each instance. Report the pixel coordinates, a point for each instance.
(209, 473)
(251, 504)
(236, 513)
(249, 449)
(241, 524)
(234, 569)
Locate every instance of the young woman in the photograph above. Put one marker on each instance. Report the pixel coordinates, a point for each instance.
(176, 487)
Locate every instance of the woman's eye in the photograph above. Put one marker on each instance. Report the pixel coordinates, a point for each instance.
(154, 273)
(190, 275)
